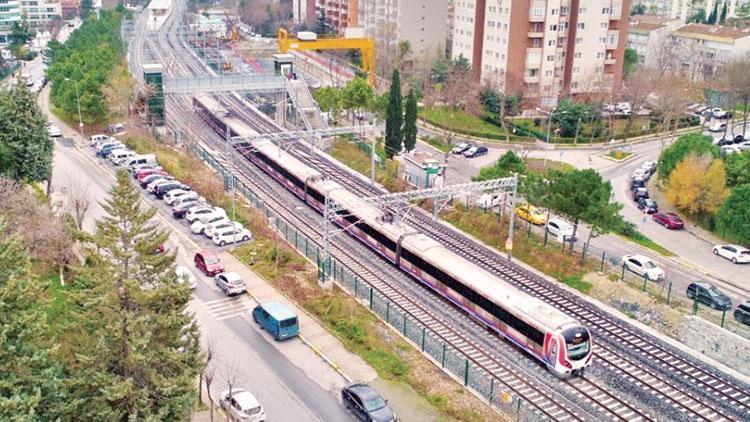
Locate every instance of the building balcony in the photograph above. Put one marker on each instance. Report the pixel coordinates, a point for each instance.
(533, 34)
(529, 79)
(610, 61)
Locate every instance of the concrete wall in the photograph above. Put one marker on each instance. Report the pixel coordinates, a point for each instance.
(716, 343)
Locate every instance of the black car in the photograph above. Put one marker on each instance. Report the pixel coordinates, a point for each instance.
(366, 403)
(725, 141)
(475, 151)
(640, 193)
(179, 211)
(636, 183)
(738, 139)
(708, 294)
(742, 313)
(648, 205)
(162, 190)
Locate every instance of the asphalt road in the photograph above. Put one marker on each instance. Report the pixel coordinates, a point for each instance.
(244, 355)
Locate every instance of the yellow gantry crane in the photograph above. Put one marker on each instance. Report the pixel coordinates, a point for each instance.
(310, 41)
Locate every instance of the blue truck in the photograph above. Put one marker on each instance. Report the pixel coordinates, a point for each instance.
(275, 318)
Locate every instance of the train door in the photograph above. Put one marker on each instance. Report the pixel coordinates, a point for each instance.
(553, 352)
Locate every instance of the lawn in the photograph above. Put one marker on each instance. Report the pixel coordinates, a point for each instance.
(459, 121)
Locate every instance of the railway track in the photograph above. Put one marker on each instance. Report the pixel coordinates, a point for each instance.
(495, 263)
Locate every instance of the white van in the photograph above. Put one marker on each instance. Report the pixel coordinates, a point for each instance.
(489, 200)
(118, 156)
(145, 159)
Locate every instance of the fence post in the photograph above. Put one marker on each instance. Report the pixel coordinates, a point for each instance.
(442, 359)
(723, 316)
(466, 372)
(403, 330)
(622, 276)
(669, 292)
(492, 389)
(546, 235)
(583, 252)
(356, 285)
(645, 281)
(601, 266)
(387, 310)
(423, 336)
(371, 294)
(695, 305)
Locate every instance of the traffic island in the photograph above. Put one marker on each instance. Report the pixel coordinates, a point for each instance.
(618, 155)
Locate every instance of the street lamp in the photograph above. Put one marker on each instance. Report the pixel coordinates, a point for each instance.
(78, 101)
(549, 119)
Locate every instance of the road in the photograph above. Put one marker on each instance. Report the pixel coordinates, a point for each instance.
(244, 355)
(694, 259)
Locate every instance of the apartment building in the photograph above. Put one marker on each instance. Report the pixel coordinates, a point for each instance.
(339, 14)
(547, 48)
(700, 50)
(10, 12)
(649, 36)
(684, 9)
(421, 22)
(39, 12)
(303, 11)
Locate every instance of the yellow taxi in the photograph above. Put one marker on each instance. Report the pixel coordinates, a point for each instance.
(531, 214)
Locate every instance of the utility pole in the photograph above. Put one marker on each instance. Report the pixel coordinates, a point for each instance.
(230, 163)
(509, 242)
(372, 161)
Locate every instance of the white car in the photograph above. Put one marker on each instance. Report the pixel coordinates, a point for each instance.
(717, 127)
(96, 139)
(649, 166)
(228, 236)
(54, 131)
(184, 276)
(643, 174)
(218, 226)
(643, 266)
(199, 225)
(241, 405)
(194, 198)
(730, 149)
(735, 253)
(718, 113)
(203, 212)
(557, 227)
(744, 146)
(158, 182)
(171, 196)
(489, 200)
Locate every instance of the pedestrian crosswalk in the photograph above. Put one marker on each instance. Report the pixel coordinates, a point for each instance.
(229, 307)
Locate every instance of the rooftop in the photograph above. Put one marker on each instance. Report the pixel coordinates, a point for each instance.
(160, 4)
(645, 26)
(700, 30)
(278, 311)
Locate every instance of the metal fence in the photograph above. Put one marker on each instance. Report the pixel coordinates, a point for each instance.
(452, 361)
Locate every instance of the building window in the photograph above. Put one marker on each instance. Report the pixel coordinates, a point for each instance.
(575, 70)
(574, 85)
(581, 10)
(579, 40)
(536, 42)
(604, 25)
(602, 40)
(553, 27)
(577, 55)
(605, 11)
(551, 43)
(581, 25)
(551, 58)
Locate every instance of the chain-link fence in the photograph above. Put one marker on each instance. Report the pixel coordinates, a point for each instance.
(472, 376)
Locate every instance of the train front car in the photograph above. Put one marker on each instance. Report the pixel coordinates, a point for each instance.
(576, 354)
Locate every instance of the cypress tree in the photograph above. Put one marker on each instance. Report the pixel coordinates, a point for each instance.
(723, 18)
(394, 118)
(714, 15)
(410, 121)
(141, 356)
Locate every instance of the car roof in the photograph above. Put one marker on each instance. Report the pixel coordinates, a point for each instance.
(641, 258)
(364, 391)
(231, 276)
(244, 398)
(278, 310)
(206, 253)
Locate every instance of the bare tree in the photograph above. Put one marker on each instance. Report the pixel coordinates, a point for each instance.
(209, 375)
(79, 201)
(665, 56)
(636, 92)
(734, 78)
(232, 375)
(57, 245)
(672, 95)
(210, 352)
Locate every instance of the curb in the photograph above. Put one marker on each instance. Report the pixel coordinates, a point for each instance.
(326, 359)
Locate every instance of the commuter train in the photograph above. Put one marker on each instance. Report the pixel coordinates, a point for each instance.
(557, 340)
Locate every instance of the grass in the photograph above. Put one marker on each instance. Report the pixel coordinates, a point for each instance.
(459, 121)
(437, 142)
(541, 165)
(358, 160)
(619, 154)
(639, 238)
(576, 281)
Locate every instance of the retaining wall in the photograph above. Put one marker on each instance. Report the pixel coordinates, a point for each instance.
(715, 342)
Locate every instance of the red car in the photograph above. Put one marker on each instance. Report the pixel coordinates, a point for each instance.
(146, 172)
(669, 220)
(208, 263)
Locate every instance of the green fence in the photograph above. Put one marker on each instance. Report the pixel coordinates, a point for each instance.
(493, 389)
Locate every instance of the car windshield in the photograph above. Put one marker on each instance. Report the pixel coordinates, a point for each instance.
(252, 410)
(210, 260)
(577, 342)
(745, 252)
(649, 265)
(537, 212)
(374, 403)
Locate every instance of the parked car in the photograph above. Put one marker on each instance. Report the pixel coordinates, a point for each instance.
(220, 226)
(193, 198)
(745, 146)
(184, 276)
(101, 145)
(718, 113)
(108, 148)
(151, 187)
(162, 190)
(230, 283)
(204, 212)
(366, 404)
(117, 156)
(648, 205)
(730, 149)
(649, 166)
(179, 211)
(531, 214)
(96, 139)
(669, 220)
(475, 151)
(460, 148)
(208, 263)
(642, 265)
(640, 193)
(708, 294)
(640, 173)
(200, 224)
(151, 178)
(738, 139)
(742, 313)
(172, 196)
(558, 226)
(636, 183)
(723, 141)
(735, 253)
(717, 127)
(54, 131)
(147, 171)
(241, 405)
(489, 200)
(229, 236)
(277, 320)
(142, 160)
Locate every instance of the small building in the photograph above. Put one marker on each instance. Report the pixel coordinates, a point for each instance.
(421, 170)
(210, 25)
(702, 49)
(648, 35)
(158, 11)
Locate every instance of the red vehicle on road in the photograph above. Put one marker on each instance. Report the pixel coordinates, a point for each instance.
(669, 220)
(208, 263)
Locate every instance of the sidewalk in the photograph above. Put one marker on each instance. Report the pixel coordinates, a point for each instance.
(347, 366)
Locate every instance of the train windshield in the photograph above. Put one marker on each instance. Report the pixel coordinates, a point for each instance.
(577, 342)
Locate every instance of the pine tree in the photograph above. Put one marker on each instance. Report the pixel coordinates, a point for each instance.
(723, 18)
(141, 356)
(714, 15)
(23, 136)
(410, 121)
(394, 118)
(31, 383)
